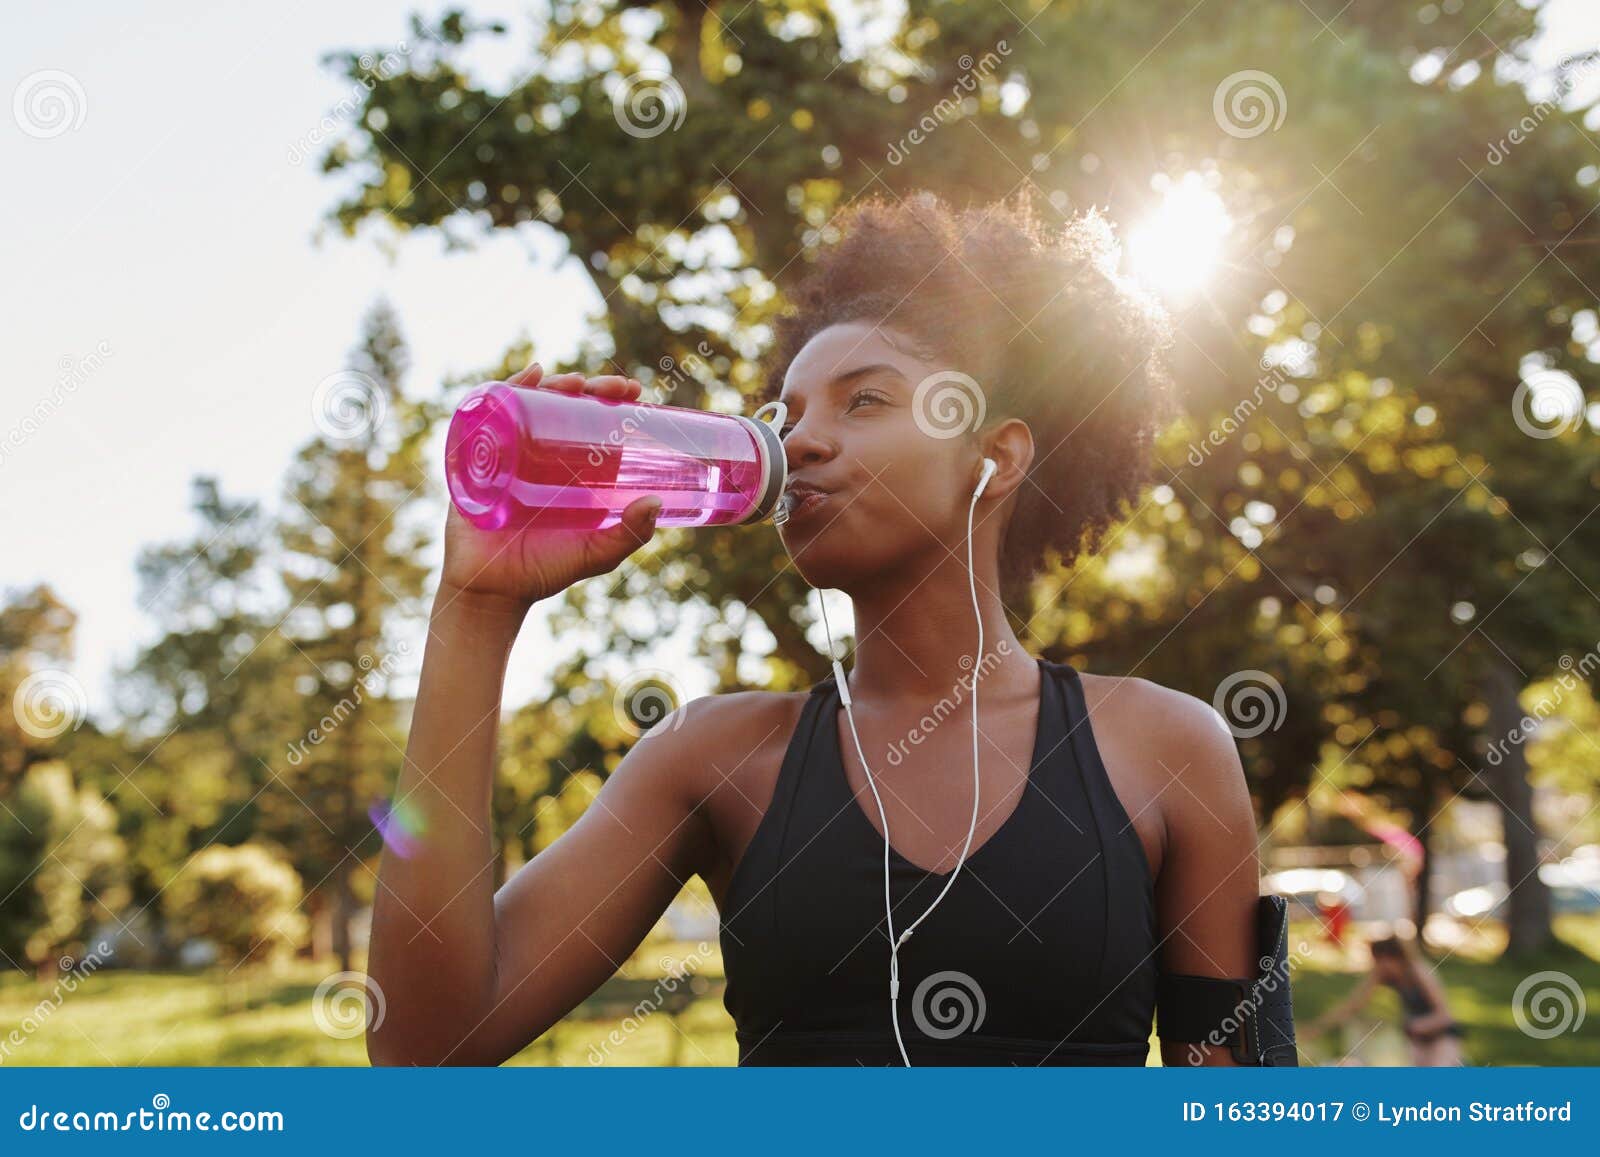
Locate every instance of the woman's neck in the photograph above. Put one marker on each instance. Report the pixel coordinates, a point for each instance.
(915, 638)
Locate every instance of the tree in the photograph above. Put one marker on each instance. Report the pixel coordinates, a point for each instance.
(1357, 503)
(61, 867)
(36, 631)
(244, 899)
(210, 701)
(351, 562)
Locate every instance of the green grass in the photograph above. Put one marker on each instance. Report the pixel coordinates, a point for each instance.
(159, 1018)
(1480, 988)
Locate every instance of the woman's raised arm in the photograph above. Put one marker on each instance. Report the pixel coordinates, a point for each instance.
(468, 976)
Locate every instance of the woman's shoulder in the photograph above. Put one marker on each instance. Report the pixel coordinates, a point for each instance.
(1162, 718)
(731, 736)
(1152, 738)
(733, 714)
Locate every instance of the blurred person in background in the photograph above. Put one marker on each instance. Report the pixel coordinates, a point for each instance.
(1433, 1034)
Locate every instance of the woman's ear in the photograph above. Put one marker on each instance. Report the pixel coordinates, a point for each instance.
(1011, 447)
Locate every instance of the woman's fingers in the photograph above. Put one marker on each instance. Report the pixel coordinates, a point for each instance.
(602, 385)
(612, 386)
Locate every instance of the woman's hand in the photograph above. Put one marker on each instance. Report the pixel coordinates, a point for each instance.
(511, 570)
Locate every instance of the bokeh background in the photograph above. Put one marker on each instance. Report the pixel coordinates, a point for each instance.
(255, 253)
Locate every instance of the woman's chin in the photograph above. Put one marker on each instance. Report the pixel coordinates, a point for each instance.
(822, 565)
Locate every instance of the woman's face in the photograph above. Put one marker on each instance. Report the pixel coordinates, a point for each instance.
(897, 462)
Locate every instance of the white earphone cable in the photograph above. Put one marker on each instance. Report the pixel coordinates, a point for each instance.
(895, 942)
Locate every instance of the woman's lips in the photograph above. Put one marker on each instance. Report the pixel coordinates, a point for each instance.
(809, 501)
(805, 503)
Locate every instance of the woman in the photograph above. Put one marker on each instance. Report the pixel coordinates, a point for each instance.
(1433, 1034)
(1114, 832)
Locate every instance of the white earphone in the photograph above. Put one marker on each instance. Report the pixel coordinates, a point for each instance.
(989, 469)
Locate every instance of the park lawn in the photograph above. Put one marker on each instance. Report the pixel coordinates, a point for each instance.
(1480, 989)
(171, 1018)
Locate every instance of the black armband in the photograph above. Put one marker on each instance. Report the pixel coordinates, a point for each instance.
(1254, 1017)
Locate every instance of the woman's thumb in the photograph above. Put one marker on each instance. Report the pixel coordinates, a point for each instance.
(606, 549)
(641, 522)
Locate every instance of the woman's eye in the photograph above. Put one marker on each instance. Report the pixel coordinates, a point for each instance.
(863, 396)
(783, 431)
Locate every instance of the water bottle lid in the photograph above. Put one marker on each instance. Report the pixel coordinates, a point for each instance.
(775, 464)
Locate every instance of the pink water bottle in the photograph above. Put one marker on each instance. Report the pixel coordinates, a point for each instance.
(517, 457)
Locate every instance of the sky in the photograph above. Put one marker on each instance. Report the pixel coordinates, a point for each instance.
(170, 243)
(171, 278)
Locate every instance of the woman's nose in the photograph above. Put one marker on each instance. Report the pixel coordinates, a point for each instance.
(802, 446)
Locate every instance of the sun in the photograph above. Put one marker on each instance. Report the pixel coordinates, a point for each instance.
(1178, 247)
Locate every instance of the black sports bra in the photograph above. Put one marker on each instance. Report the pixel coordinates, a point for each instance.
(1042, 953)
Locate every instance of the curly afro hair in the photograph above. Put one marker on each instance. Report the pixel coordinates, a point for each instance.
(1040, 319)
